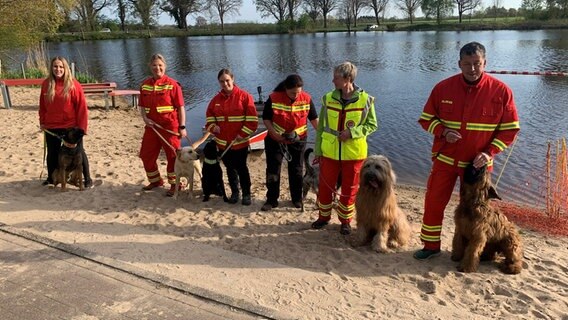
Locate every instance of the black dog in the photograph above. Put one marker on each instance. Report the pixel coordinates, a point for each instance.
(70, 160)
(212, 180)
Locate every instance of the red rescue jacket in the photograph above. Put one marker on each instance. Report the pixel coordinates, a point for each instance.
(161, 99)
(485, 115)
(235, 114)
(290, 116)
(62, 112)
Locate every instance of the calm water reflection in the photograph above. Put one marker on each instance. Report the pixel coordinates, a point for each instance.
(398, 68)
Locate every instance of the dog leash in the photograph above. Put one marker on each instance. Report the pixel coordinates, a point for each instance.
(163, 139)
(505, 163)
(227, 149)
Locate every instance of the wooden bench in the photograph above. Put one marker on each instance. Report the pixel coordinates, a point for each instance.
(6, 83)
(133, 93)
(104, 88)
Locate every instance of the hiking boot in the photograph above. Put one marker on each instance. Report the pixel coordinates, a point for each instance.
(47, 182)
(153, 185)
(426, 254)
(88, 184)
(297, 204)
(234, 198)
(268, 205)
(345, 229)
(246, 200)
(318, 224)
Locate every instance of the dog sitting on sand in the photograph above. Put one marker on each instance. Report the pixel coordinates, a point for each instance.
(187, 163)
(70, 160)
(379, 219)
(212, 175)
(310, 181)
(482, 231)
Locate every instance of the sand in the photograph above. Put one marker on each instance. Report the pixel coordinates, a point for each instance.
(269, 262)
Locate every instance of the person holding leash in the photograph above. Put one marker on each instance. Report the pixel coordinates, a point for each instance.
(232, 118)
(162, 109)
(347, 118)
(62, 105)
(286, 114)
(472, 117)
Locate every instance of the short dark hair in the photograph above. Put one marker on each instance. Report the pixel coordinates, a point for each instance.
(471, 49)
(292, 81)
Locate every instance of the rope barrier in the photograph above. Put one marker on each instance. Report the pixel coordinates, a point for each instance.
(530, 73)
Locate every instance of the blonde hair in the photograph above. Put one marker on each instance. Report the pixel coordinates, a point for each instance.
(346, 70)
(68, 84)
(158, 56)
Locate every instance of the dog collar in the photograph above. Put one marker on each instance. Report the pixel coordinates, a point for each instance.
(210, 161)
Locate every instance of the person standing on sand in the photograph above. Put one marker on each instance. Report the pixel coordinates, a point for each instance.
(472, 117)
(232, 118)
(162, 109)
(286, 114)
(62, 105)
(346, 119)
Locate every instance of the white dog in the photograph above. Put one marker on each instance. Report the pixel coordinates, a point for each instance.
(187, 163)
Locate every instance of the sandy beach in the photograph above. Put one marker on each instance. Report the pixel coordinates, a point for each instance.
(240, 255)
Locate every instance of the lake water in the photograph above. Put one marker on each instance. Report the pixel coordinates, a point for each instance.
(398, 68)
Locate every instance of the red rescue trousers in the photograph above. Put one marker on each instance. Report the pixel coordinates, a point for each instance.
(329, 172)
(439, 190)
(150, 150)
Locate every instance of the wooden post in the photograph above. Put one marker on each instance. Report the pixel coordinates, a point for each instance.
(23, 70)
(73, 69)
(0, 68)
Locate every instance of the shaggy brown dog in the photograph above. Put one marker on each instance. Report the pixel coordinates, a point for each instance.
(378, 216)
(70, 160)
(481, 230)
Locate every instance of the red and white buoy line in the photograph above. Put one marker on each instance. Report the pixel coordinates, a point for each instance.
(531, 73)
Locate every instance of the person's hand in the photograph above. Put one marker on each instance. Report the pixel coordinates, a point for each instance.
(481, 159)
(316, 161)
(149, 122)
(216, 129)
(277, 137)
(344, 135)
(451, 135)
(240, 139)
(183, 133)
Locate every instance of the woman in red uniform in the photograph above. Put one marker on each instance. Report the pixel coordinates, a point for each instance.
(232, 118)
(286, 114)
(163, 112)
(62, 105)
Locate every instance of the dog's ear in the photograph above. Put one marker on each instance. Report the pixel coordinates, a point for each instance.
(492, 193)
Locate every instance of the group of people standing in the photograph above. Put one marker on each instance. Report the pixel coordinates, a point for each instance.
(471, 115)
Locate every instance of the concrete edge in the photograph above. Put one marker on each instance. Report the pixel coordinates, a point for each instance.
(204, 293)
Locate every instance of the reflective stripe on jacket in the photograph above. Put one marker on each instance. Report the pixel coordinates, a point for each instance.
(484, 114)
(357, 114)
(236, 116)
(160, 99)
(290, 116)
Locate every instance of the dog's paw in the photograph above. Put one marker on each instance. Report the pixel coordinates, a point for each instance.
(468, 269)
(380, 249)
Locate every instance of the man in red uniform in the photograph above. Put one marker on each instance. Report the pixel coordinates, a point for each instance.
(472, 117)
(162, 109)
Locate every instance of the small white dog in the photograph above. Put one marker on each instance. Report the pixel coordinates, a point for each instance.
(187, 163)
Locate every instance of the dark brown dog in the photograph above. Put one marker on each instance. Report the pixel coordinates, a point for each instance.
(482, 231)
(70, 161)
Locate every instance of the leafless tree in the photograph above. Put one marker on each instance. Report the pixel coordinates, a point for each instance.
(326, 7)
(496, 5)
(293, 6)
(146, 10)
(180, 9)
(378, 7)
(224, 8)
(88, 12)
(312, 9)
(358, 7)
(275, 8)
(409, 7)
(347, 12)
(122, 9)
(466, 5)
